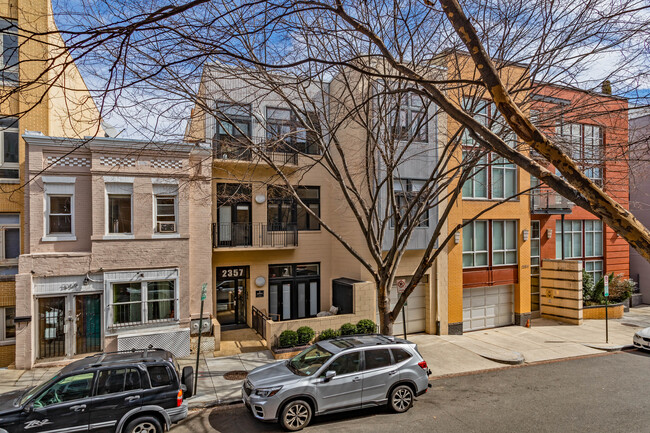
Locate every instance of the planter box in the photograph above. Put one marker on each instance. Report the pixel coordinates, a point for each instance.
(614, 311)
(287, 352)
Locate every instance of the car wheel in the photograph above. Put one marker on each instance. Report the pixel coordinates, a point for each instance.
(401, 398)
(295, 415)
(145, 424)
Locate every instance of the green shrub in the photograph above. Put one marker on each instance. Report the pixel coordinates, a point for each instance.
(366, 326)
(305, 335)
(619, 289)
(328, 334)
(288, 338)
(348, 329)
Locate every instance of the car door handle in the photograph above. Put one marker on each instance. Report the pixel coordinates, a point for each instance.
(132, 398)
(356, 379)
(78, 408)
(392, 372)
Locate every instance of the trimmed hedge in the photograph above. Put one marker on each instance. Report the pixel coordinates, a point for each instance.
(366, 326)
(288, 338)
(348, 329)
(328, 334)
(305, 335)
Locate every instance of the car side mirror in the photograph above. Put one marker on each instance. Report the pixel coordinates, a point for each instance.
(329, 375)
(29, 408)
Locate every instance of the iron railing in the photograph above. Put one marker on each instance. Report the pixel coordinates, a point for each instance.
(249, 148)
(259, 322)
(547, 201)
(254, 235)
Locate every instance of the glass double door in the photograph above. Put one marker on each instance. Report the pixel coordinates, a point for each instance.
(69, 325)
(231, 302)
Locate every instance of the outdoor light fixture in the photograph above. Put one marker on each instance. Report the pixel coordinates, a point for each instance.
(259, 198)
(457, 237)
(549, 233)
(525, 233)
(260, 281)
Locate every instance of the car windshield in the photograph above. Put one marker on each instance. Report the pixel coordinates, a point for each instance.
(309, 360)
(36, 390)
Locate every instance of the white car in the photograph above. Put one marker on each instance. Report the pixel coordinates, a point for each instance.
(642, 339)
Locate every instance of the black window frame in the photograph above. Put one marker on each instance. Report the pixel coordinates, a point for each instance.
(403, 199)
(289, 210)
(294, 279)
(291, 142)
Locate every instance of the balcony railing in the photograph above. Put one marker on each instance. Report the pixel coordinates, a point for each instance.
(254, 235)
(247, 149)
(547, 201)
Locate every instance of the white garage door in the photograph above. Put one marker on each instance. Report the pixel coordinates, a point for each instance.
(488, 307)
(415, 311)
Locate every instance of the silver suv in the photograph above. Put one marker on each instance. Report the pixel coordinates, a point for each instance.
(345, 373)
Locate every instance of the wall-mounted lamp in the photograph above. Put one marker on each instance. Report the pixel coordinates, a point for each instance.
(525, 233)
(260, 198)
(549, 233)
(457, 237)
(260, 281)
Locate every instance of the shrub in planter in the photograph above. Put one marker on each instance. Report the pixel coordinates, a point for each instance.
(366, 326)
(348, 329)
(619, 290)
(305, 335)
(288, 338)
(328, 334)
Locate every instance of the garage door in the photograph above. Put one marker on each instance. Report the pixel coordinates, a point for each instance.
(415, 310)
(488, 307)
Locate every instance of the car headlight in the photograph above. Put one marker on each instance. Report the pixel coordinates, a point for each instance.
(267, 392)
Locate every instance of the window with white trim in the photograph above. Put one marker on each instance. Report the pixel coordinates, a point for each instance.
(10, 238)
(585, 145)
(475, 244)
(119, 212)
(572, 239)
(9, 49)
(504, 242)
(59, 214)
(59, 195)
(593, 238)
(139, 303)
(9, 132)
(165, 208)
(595, 269)
(7, 325)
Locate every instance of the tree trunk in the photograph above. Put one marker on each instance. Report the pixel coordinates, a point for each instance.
(383, 304)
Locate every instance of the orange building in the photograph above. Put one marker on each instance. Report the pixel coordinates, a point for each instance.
(593, 129)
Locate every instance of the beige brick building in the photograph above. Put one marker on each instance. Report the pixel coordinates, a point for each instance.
(117, 246)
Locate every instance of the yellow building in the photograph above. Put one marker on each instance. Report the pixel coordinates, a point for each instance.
(493, 252)
(53, 101)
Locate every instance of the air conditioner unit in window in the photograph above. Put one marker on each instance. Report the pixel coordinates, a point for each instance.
(166, 227)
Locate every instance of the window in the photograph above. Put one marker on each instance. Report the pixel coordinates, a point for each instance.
(69, 388)
(491, 169)
(284, 213)
(118, 380)
(7, 324)
(585, 145)
(231, 139)
(9, 168)
(159, 376)
(165, 214)
(10, 237)
(9, 58)
(377, 358)
(475, 244)
(572, 239)
(143, 302)
(59, 214)
(412, 121)
(400, 355)
(294, 291)
(284, 125)
(406, 191)
(119, 215)
(593, 238)
(346, 364)
(534, 265)
(595, 269)
(504, 243)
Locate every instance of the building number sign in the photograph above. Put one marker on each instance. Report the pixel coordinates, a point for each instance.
(232, 272)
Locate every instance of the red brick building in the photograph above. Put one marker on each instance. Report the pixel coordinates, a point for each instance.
(593, 129)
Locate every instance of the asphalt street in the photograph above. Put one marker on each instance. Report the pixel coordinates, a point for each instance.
(605, 393)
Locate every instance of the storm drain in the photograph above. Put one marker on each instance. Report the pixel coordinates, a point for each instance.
(236, 375)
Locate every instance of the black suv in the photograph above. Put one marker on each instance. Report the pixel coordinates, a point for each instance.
(124, 392)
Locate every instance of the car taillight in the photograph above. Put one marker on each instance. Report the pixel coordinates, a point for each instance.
(423, 365)
(179, 398)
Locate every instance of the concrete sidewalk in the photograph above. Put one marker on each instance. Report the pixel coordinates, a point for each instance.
(446, 355)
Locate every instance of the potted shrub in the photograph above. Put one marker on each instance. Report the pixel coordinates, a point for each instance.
(348, 329)
(305, 335)
(288, 338)
(328, 334)
(366, 326)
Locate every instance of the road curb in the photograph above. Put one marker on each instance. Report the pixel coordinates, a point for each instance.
(518, 358)
(609, 348)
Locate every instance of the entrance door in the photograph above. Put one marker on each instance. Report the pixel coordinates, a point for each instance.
(231, 302)
(51, 326)
(88, 323)
(234, 215)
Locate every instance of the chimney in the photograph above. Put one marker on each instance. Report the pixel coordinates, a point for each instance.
(607, 87)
